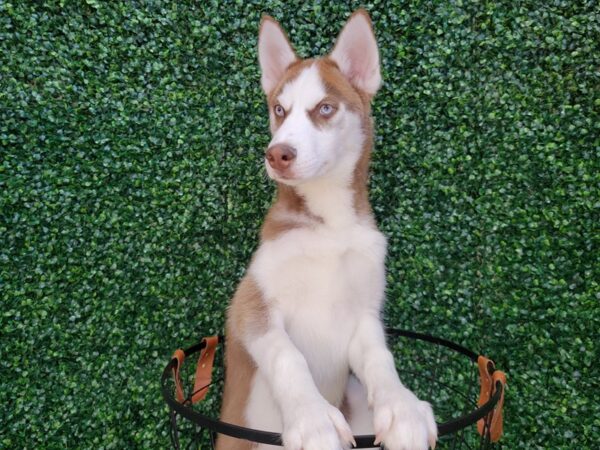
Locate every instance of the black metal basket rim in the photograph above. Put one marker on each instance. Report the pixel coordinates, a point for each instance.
(362, 441)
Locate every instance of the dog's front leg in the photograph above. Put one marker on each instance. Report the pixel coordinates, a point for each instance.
(401, 420)
(309, 421)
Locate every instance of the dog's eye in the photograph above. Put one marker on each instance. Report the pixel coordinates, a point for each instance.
(279, 111)
(326, 109)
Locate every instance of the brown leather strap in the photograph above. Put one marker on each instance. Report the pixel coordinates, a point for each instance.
(496, 426)
(203, 377)
(179, 355)
(488, 376)
(486, 368)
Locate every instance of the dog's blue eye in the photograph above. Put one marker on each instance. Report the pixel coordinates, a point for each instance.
(326, 109)
(279, 111)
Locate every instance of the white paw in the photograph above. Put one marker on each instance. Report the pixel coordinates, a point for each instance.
(316, 425)
(403, 422)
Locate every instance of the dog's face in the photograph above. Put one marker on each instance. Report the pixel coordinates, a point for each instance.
(318, 108)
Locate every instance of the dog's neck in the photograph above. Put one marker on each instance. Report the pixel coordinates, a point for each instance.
(334, 202)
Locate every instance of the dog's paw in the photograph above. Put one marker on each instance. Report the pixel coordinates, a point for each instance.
(403, 422)
(317, 426)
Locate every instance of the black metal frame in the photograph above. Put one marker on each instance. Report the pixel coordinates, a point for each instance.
(216, 426)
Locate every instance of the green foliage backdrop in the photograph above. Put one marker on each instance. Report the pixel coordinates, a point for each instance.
(132, 190)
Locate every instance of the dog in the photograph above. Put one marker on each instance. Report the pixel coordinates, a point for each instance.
(306, 353)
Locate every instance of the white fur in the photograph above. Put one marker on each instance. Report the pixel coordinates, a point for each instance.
(324, 286)
(318, 283)
(324, 282)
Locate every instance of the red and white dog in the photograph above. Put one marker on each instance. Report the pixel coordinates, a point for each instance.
(306, 352)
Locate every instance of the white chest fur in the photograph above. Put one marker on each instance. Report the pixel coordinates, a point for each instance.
(320, 280)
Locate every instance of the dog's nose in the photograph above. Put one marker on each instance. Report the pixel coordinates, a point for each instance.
(280, 156)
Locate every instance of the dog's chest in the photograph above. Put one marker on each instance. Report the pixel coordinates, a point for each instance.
(323, 268)
(321, 280)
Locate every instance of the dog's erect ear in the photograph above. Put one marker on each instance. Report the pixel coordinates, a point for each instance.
(356, 53)
(275, 53)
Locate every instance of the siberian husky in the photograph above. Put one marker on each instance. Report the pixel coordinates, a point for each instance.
(306, 352)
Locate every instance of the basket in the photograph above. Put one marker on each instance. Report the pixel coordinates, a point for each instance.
(464, 388)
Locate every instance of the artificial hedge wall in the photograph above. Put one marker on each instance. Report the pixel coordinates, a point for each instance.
(132, 190)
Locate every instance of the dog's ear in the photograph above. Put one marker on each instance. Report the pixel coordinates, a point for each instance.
(275, 53)
(356, 53)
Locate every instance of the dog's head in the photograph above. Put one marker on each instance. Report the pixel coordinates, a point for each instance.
(318, 108)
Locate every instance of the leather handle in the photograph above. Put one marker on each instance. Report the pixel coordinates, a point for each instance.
(496, 424)
(203, 376)
(179, 356)
(488, 377)
(204, 367)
